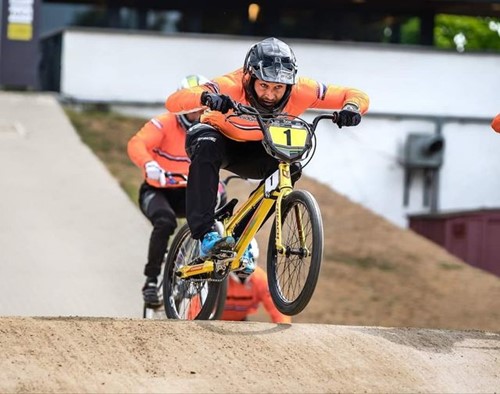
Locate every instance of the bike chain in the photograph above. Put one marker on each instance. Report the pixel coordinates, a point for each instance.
(223, 263)
(205, 280)
(223, 275)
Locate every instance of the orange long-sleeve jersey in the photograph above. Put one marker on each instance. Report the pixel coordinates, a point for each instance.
(161, 139)
(244, 299)
(305, 94)
(495, 123)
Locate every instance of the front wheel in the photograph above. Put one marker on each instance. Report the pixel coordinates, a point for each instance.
(190, 298)
(292, 275)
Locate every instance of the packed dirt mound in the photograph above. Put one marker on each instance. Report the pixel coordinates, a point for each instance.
(111, 355)
(373, 274)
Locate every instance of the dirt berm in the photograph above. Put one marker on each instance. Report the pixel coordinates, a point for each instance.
(129, 355)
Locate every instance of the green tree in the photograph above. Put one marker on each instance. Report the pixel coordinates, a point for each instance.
(450, 31)
(479, 33)
(410, 31)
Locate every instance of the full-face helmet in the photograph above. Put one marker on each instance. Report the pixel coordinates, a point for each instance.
(270, 60)
(187, 82)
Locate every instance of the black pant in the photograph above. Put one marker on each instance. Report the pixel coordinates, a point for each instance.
(162, 207)
(210, 151)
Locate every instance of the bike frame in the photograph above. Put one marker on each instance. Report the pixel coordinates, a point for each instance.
(271, 193)
(268, 195)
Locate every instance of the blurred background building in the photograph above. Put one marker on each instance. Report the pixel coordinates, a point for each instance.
(409, 21)
(462, 25)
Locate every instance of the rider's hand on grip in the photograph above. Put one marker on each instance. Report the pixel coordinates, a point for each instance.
(155, 172)
(217, 102)
(348, 116)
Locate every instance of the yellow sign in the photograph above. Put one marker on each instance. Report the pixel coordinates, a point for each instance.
(19, 31)
(288, 136)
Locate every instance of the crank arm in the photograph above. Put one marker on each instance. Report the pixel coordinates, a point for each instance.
(195, 269)
(205, 267)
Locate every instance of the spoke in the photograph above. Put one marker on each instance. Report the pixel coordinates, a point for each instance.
(187, 296)
(292, 271)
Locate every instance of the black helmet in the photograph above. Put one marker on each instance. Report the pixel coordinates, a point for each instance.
(270, 60)
(186, 83)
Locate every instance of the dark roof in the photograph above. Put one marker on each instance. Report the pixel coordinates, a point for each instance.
(460, 7)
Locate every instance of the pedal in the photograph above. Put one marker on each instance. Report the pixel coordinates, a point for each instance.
(223, 255)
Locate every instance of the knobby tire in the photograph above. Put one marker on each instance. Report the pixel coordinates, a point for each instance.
(186, 299)
(293, 278)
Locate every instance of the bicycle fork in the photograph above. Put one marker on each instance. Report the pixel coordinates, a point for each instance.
(285, 189)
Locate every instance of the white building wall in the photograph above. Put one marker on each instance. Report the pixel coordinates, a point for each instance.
(361, 162)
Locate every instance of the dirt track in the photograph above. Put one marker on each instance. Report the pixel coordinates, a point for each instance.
(364, 282)
(111, 355)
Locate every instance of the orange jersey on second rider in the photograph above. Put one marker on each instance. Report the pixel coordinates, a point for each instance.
(161, 139)
(306, 93)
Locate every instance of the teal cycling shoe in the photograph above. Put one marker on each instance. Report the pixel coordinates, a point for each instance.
(248, 263)
(212, 243)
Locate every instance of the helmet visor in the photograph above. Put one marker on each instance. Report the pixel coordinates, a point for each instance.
(276, 71)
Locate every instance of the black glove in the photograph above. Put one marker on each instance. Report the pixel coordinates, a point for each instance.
(217, 102)
(349, 116)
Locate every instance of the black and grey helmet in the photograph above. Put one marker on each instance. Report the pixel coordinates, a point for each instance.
(270, 60)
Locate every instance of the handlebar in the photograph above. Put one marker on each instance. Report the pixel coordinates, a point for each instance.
(170, 177)
(241, 109)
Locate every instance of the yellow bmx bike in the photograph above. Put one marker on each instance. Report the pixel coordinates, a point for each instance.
(193, 287)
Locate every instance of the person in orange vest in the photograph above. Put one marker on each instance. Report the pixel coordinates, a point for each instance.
(246, 293)
(495, 123)
(159, 147)
(267, 81)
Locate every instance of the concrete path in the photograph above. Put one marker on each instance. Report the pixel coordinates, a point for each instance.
(71, 242)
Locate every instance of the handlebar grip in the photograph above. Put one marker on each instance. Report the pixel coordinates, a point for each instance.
(172, 175)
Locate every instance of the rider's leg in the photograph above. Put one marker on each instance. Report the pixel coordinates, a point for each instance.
(206, 149)
(260, 166)
(155, 205)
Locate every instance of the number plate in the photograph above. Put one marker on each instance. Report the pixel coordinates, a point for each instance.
(295, 137)
(272, 182)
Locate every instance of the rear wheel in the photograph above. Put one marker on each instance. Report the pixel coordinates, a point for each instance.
(292, 275)
(190, 298)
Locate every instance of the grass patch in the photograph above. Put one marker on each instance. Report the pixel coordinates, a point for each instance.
(450, 266)
(365, 263)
